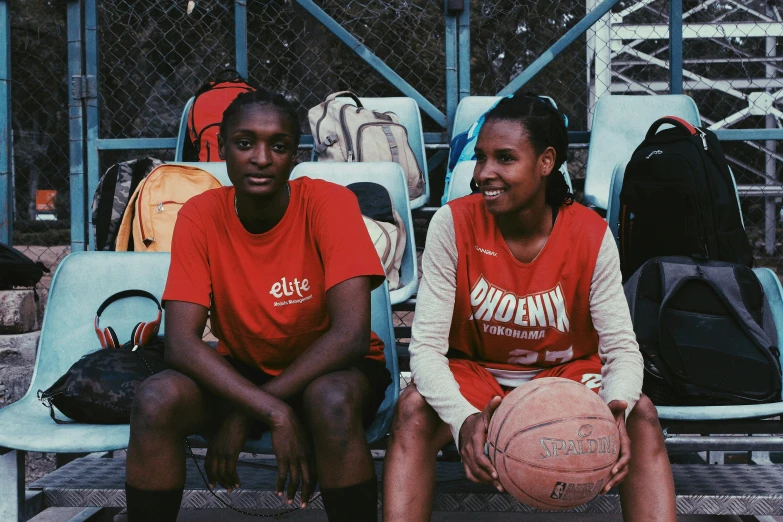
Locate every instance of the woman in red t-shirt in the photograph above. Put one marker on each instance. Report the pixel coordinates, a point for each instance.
(284, 270)
(519, 283)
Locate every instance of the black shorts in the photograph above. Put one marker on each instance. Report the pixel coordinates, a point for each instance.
(375, 371)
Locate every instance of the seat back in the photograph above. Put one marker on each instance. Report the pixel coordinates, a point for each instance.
(460, 180)
(183, 130)
(469, 110)
(390, 176)
(619, 126)
(80, 285)
(383, 327)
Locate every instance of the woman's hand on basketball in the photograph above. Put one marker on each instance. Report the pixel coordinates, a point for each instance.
(472, 440)
(294, 458)
(223, 451)
(620, 470)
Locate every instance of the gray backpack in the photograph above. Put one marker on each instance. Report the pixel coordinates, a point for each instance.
(706, 333)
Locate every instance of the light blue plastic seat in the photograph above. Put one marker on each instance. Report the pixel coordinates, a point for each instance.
(81, 283)
(407, 110)
(619, 126)
(183, 130)
(390, 176)
(459, 185)
(469, 110)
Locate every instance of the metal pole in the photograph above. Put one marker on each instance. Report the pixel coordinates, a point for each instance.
(770, 164)
(590, 47)
(464, 51)
(675, 46)
(240, 32)
(91, 107)
(6, 139)
(76, 129)
(452, 80)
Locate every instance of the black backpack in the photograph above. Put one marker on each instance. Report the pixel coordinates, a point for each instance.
(678, 198)
(705, 331)
(16, 269)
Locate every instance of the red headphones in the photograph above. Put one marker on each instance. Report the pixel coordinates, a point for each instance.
(142, 334)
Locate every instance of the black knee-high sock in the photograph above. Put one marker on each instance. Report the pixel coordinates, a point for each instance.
(357, 503)
(146, 505)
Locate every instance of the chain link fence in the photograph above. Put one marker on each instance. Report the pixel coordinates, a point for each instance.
(39, 97)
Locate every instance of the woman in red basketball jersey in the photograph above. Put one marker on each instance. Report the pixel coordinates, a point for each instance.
(284, 269)
(519, 283)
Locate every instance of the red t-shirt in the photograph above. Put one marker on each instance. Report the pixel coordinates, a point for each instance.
(510, 315)
(268, 291)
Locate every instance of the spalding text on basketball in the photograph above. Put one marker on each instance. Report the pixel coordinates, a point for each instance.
(580, 446)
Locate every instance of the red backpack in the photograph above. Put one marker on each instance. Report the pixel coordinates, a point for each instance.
(211, 100)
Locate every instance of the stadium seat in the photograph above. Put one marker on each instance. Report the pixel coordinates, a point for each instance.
(469, 110)
(82, 282)
(619, 126)
(183, 130)
(459, 185)
(391, 176)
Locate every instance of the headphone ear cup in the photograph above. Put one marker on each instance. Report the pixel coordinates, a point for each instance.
(111, 338)
(146, 333)
(136, 334)
(101, 338)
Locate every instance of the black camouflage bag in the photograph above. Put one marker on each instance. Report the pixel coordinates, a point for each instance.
(100, 387)
(112, 195)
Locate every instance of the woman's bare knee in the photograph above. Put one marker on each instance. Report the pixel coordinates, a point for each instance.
(415, 422)
(645, 414)
(161, 401)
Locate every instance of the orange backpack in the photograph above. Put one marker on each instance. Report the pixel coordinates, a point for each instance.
(206, 113)
(148, 222)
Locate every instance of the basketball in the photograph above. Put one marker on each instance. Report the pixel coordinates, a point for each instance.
(553, 443)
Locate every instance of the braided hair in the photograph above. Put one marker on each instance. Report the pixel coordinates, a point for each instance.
(263, 97)
(546, 127)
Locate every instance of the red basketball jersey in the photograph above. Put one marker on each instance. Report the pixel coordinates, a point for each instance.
(521, 316)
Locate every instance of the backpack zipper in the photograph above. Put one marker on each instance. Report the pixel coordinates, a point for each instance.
(703, 137)
(160, 207)
(318, 126)
(138, 213)
(346, 131)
